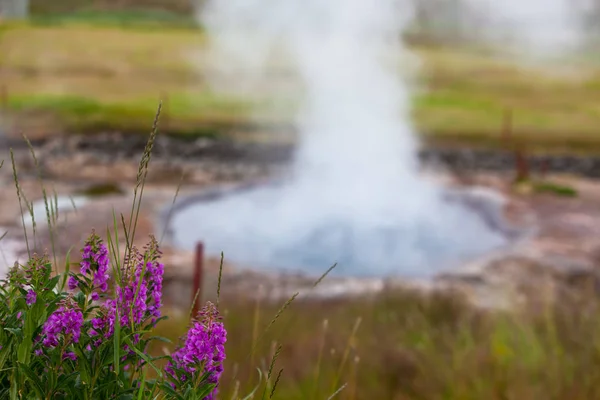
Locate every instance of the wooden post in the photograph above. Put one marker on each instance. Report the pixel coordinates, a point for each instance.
(507, 127)
(518, 149)
(522, 164)
(197, 283)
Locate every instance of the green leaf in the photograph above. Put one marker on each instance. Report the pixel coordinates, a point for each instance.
(52, 381)
(24, 349)
(14, 385)
(142, 387)
(84, 366)
(143, 356)
(167, 389)
(188, 392)
(204, 390)
(38, 314)
(132, 334)
(15, 331)
(160, 339)
(107, 356)
(158, 358)
(151, 325)
(4, 355)
(117, 343)
(35, 380)
(52, 283)
(80, 299)
(65, 380)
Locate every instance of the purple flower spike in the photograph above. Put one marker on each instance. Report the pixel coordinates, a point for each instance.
(67, 321)
(204, 348)
(95, 261)
(31, 297)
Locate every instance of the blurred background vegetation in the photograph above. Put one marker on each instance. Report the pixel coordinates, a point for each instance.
(82, 66)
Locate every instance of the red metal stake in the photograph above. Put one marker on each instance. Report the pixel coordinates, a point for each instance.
(198, 273)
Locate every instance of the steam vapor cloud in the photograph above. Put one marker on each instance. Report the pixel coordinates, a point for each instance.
(355, 195)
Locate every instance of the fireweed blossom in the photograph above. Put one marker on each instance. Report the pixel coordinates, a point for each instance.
(95, 263)
(72, 283)
(103, 326)
(65, 322)
(140, 297)
(203, 350)
(31, 297)
(137, 299)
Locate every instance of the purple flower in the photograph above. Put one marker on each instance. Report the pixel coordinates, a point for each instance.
(156, 271)
(87, 254)
(98, 323)
(70, 355)
(95, 296)
(66, 321)
(103, 325)
(140, 297)
(72, 283)
(95, 261)
(137, 299)
(31, 297)
(203, 350)
(19, 315)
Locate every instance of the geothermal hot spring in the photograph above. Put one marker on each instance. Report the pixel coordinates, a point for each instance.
(354, 195)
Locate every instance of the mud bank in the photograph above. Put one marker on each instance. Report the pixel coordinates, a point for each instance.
(178, 151)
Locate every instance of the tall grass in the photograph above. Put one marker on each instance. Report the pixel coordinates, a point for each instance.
(412, 346)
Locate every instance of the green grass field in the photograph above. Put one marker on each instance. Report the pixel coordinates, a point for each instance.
(88, 73)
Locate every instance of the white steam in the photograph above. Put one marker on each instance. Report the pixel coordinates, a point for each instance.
(355, 195)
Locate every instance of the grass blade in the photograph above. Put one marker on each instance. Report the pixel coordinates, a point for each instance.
(117, 344)
(141, 179)
(170, 213)
(20, 196)
(49, 214)
(219, 281)
(251, 394)
(276, 383)
(337, 391)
